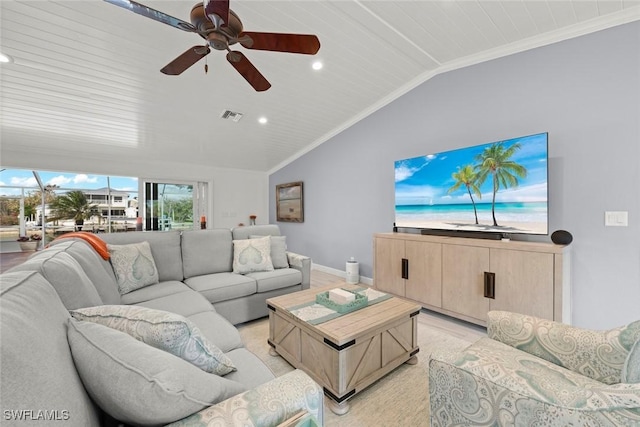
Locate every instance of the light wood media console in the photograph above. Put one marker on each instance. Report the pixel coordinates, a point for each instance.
(465, 278)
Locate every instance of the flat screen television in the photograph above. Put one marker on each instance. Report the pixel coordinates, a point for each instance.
(500, 188)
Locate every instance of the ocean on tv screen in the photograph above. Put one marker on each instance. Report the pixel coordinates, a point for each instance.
(495, 187)
(530, 218)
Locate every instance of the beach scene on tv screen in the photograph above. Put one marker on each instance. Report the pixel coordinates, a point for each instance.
(495, 187)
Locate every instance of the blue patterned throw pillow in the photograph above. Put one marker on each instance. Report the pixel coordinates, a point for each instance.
(133, 266)
(251, 255)
(166, 331)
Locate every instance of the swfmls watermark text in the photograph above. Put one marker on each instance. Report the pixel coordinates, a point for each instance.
(36, 415)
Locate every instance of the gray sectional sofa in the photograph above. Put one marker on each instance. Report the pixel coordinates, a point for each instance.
(202, 260)
(62, 368)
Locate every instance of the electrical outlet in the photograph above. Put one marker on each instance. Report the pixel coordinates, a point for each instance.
(616, 218)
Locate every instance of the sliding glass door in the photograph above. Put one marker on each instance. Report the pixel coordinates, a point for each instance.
(173, 205)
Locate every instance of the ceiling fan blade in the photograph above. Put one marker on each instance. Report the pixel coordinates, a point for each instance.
(280, 42)
(186, 60)
(156, 15)
(248, 71)
(219, 8)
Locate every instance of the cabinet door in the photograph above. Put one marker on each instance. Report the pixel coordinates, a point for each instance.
(388, 266)
(425, 272)
(523, 282)
(463, 270)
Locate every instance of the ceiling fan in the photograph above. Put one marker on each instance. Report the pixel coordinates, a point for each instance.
(222, 28)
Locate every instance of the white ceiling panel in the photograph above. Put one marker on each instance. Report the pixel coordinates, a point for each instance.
(585, 9)
(541, 15)
(520, 16)
(85, 76)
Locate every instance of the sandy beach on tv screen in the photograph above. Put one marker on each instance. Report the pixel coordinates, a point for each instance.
(461, 225)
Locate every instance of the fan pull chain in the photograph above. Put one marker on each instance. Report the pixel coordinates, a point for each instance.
(206, 65)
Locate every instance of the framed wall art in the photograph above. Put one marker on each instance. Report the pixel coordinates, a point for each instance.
(289, 202)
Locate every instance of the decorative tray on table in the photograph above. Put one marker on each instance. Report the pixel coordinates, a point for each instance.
(361, 301)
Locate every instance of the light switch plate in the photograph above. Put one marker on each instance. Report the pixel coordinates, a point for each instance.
(616, 218)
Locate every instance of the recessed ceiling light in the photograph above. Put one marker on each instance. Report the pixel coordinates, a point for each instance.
(5, 58)
(262, 120)
(317, 65)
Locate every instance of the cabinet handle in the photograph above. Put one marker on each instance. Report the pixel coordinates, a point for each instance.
(405, 268)
(489, 285)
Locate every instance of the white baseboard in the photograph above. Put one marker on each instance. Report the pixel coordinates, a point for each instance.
(340, 273)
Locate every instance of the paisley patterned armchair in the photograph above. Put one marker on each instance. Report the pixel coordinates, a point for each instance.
(534, 372)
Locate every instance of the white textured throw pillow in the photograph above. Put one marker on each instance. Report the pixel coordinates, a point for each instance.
(278, 251)
(251, 255)
(133, 265)
(166, 331)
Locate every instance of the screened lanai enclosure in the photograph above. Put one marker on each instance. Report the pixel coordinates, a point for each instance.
(38, 206)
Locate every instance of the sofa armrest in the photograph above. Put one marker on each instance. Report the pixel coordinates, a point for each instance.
(302, 263)
(491, 383)
(599, 355)
(268, 404)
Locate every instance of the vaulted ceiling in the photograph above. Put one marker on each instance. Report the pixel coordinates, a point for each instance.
(84, 77)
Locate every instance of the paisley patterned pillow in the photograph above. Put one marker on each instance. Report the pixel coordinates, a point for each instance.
(251, 255)
(166, 331)
(133, 265)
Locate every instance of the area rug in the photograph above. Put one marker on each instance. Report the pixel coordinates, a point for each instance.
(400, 399)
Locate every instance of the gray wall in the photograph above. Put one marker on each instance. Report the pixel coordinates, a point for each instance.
(585, 92)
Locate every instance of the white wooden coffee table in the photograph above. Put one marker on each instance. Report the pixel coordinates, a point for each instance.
(348, 353)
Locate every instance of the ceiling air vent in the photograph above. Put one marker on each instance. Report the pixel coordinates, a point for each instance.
(230, 115)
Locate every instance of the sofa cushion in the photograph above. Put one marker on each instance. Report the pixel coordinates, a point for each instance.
(158, 290)
(96, 243)
(252, 255)
(99, 271)
(218, 330)
(165, 248)
(38, 372)
(251, 370)
(185, 303)
(134, 266)
(138, 384)
(163, 330)
(206, 252)
(244, 232)
(278, 251)
(277, 279)
(65, 274)
(222, 286)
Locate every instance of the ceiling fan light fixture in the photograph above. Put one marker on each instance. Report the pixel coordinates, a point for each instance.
(263, 120)
(317, 65)
(221, 27)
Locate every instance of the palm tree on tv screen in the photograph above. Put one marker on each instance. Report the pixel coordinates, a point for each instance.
(495, 161)
(467, 176)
